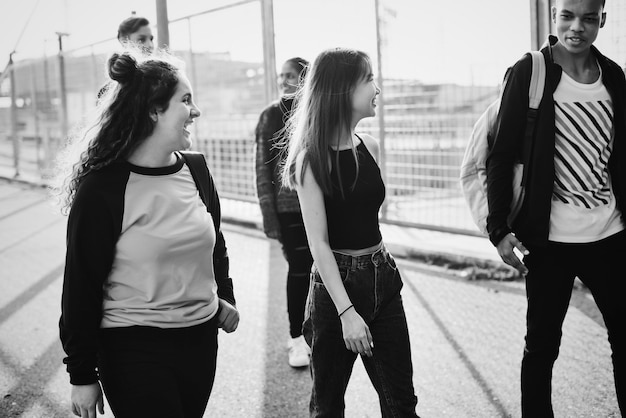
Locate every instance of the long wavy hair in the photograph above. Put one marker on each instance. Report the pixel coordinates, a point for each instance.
(322, 114)
(140, 85)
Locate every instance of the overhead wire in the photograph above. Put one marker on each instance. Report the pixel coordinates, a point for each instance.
(7, 67)
(26, 26)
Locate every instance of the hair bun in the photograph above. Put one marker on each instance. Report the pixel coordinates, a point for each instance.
(122, 67)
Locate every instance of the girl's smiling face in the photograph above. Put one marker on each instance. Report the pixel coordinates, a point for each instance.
(288, 79)
(143, 38)
(364, 98)
(173, 125)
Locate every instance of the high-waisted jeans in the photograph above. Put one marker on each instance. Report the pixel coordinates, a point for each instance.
(373, 284)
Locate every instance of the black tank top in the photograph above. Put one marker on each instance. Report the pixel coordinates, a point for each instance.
(353, 219)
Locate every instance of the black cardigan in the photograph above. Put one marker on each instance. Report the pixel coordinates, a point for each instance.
(532, 225)
(81, 303)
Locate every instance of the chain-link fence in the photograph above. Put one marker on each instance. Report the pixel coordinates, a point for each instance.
(426, 123)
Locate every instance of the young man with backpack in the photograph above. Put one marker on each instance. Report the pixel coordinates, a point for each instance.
(571, 221)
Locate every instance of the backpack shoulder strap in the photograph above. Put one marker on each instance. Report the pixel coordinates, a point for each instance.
(199, 172)
(535, 94)
(537, 79)
(204, 183)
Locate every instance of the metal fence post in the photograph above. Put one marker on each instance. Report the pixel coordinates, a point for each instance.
(380, 102)
(540, 22)
(163, 30)
(194, 77)
(269, 51)
(62, 86)
(35, 110)
(14, 137)
(47, 138)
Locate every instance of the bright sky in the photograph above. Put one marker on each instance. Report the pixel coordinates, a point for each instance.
(433, 41)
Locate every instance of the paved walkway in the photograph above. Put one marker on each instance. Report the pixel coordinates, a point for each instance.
(467, 335)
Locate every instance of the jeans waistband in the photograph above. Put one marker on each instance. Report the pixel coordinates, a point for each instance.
(353, 262)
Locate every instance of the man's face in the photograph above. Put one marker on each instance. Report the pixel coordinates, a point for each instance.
(577, 23)
(143, 37)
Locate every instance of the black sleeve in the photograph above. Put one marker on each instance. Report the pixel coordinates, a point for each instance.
(92, 232)
(220, 254)
(506, 148)
(270, 122)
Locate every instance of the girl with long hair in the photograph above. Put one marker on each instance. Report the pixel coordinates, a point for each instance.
(146, 282)
(354, 305)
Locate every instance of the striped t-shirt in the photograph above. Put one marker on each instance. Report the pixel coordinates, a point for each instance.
(583, 203)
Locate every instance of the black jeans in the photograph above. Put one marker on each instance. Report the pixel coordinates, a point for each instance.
(549, 282)
(298, 256)
(373, 284)
(154, 372)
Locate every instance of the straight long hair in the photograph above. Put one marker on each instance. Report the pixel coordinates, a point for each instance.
(322, 114)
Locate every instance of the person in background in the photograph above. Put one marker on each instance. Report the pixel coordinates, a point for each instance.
(280, 208)
(146, 283)
(136, 30)
(354, 305)
(571, 223)
(133, 32)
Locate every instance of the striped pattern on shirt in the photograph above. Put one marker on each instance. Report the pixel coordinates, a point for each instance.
(582, 151)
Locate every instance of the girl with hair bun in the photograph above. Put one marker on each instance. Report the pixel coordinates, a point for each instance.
(354, 305)
(146, 283)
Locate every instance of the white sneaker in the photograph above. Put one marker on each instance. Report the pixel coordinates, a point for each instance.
(299, 352)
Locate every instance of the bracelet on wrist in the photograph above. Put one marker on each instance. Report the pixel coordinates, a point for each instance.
(346, 310)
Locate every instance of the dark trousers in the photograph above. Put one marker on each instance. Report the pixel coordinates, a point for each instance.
(154, 372)
(298, 256)
(552, 270)
(373, 284)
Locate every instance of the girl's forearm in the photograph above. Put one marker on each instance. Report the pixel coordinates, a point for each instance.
(329, 272)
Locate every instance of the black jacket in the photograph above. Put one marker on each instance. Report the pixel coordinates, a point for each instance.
(532, 225)
(90, 255)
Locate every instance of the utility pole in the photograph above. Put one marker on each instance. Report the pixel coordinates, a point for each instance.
(14, 138)
(62, 86)
(269, 50)
(47, 146)
(163, 31)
